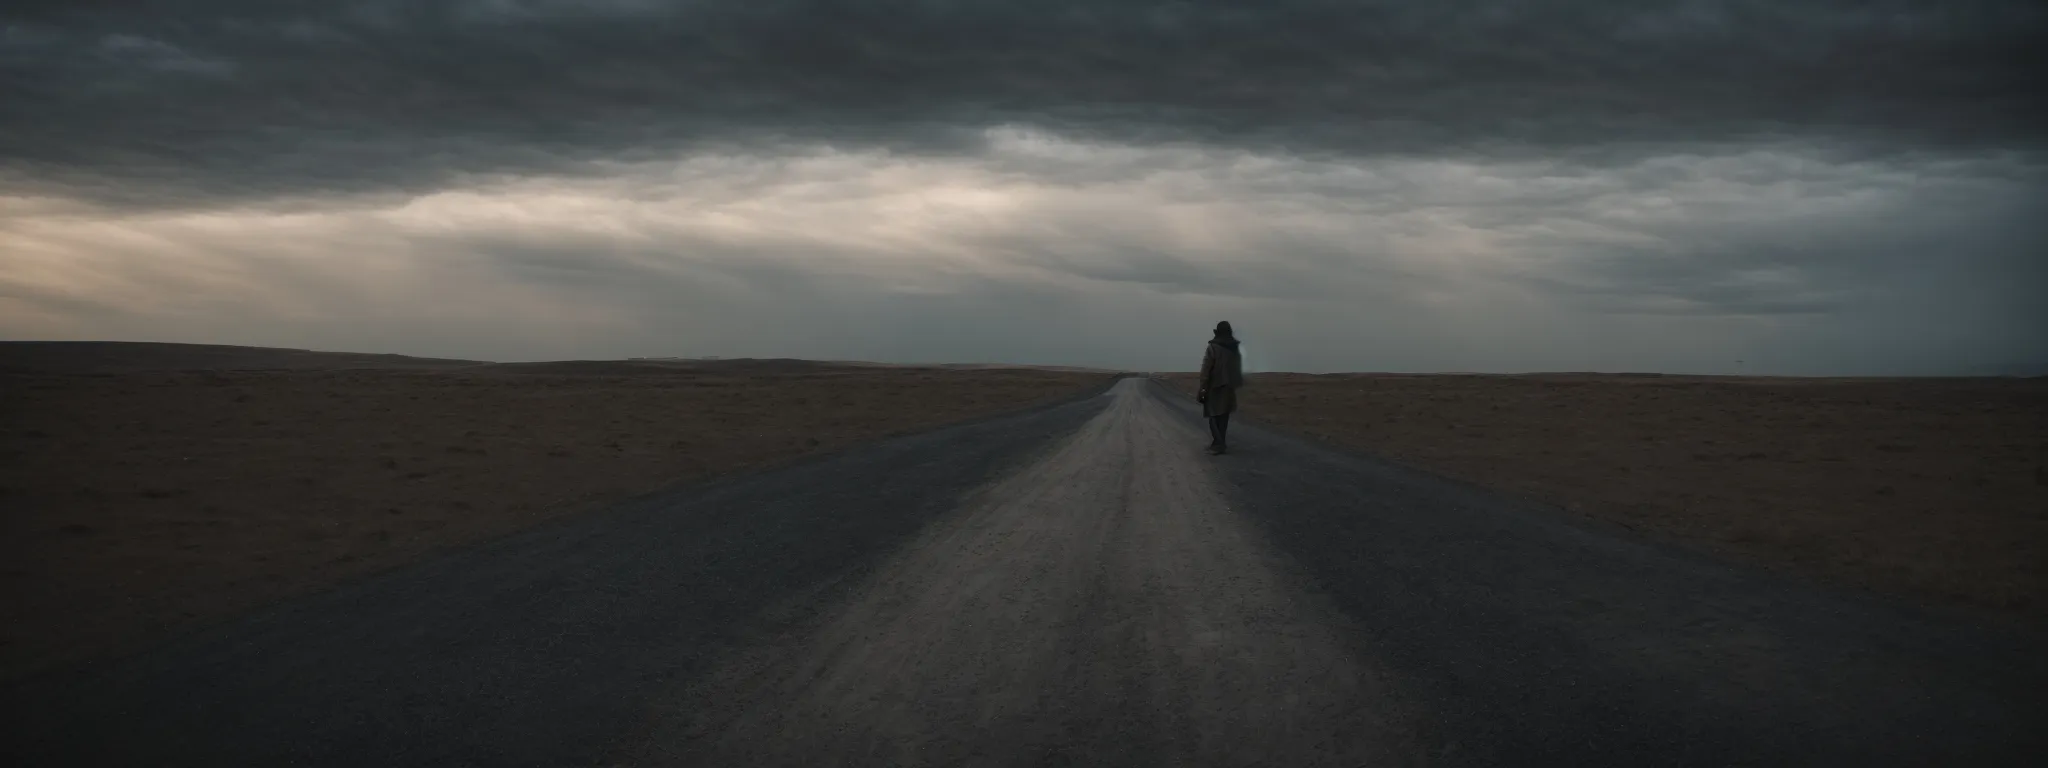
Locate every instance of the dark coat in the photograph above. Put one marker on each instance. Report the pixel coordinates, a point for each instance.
(1222, 377)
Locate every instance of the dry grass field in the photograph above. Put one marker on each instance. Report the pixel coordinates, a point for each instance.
(141, 500)
(1935, 489)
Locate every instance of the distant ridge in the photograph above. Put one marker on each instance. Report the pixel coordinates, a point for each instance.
(109, 357)
(90, 357)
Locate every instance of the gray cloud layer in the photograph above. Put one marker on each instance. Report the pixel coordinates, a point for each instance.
(167, 103)
(1681, 263)
(1823, 186)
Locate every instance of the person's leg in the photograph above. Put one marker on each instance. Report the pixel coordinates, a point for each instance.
(1223, 431)
(1215, 435)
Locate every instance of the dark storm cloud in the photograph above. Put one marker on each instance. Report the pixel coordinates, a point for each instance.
(155, 103)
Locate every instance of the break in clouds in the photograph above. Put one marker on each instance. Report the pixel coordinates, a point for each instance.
(1777, 187)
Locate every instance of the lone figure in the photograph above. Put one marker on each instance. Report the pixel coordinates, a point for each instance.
(1222, 377)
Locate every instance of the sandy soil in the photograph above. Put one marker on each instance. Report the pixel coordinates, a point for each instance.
(139, 503)
(1936, 489)
(1100, 606)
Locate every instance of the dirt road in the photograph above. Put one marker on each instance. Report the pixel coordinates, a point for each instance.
(1102, 604)
(1076, 585)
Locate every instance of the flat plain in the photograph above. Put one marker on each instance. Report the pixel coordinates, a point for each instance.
(150, 488)
(1931, 489)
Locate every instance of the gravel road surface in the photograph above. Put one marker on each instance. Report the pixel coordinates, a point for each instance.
(1073, 585)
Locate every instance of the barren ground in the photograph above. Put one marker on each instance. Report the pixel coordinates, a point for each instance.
(142, 502)
(1930, 488)
(1072, 584)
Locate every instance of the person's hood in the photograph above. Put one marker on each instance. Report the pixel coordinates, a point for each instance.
(1227, 341)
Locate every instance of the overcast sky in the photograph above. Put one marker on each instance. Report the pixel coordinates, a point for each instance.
(1711, 186)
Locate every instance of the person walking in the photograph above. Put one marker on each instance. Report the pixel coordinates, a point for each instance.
(1222, 377)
